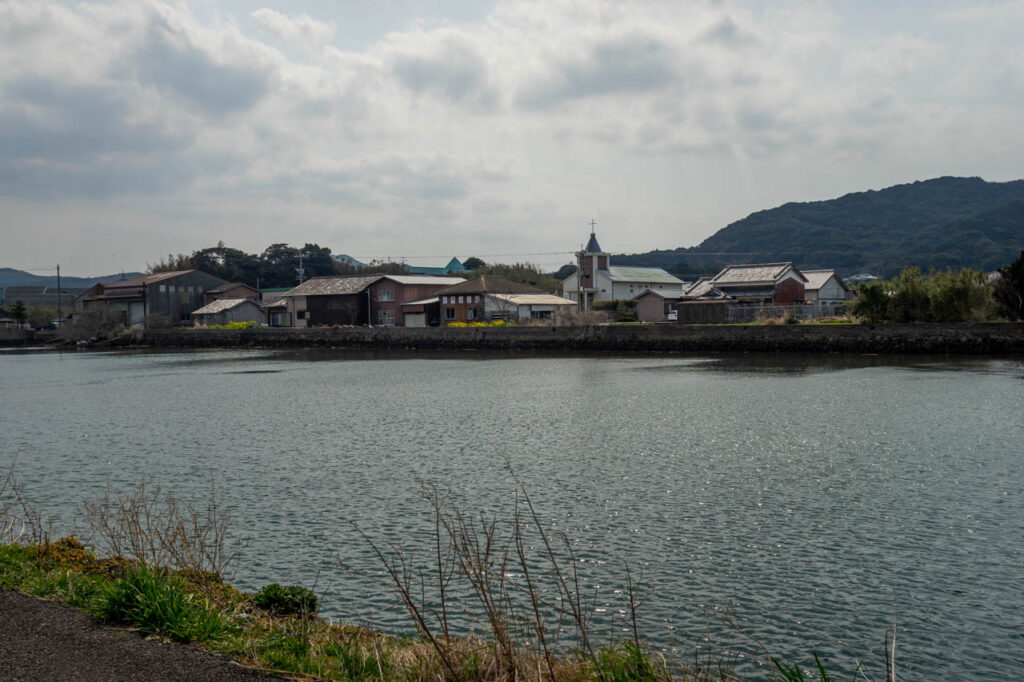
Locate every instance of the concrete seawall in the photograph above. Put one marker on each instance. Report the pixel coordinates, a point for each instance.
(966, 339)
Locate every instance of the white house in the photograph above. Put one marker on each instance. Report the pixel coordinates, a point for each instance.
(596, 279)
(825, 286)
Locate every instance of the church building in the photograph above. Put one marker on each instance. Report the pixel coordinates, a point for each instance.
(596, 279)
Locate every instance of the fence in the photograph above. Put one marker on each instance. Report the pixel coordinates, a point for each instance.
(799, 311)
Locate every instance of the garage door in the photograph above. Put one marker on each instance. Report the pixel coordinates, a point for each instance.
(415, 319)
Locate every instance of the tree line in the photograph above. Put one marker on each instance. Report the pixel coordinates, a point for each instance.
(944, 296)
(278, 266)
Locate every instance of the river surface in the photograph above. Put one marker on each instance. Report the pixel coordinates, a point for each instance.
(810, 499)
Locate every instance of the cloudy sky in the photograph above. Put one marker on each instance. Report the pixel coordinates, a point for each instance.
(425, 129)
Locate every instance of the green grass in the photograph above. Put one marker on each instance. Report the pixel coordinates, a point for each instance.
(157, 601)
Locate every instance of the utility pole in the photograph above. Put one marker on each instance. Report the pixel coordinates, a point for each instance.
(60, 309)
(301, 270)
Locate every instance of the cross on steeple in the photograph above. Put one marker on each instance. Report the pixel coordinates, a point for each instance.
(592, 224)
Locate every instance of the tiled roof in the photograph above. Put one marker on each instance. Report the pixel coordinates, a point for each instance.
(760, 273)
(703, 288)
(816, 279)
(489, 284)
(643, 275)
(670, 294)
(220, 305)
(333, 286)
(227, 286)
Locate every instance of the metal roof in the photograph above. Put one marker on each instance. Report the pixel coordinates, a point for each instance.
(643, 275)
(333, 286)
(425, 279)
(592, 245)
(221, 305)
(146, 279)
(489, 284)
(533, 299)
(816, 279)
(422, 301)
(757, 273)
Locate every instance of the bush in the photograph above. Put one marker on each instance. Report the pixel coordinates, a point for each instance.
(287, 600)
(102, 323)
(233, 325)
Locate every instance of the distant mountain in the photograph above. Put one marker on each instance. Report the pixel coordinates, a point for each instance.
(10, 277)
(939, 223)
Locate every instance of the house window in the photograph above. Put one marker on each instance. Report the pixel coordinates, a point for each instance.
(385, 295)
(449, 313)
(471, 314)
(300, 315)
(171, 288)
(462, 299)
(386, 318)
(163, 288)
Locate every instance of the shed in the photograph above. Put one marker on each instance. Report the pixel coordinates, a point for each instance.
(226, 310)
(654, 306)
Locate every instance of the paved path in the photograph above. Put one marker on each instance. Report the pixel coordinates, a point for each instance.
(41, 640)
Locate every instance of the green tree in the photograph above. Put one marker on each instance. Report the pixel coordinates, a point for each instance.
(960, 296)
(472, 263)
(173, 263)
(527, 273)
(41, 315)
(1009, 289)
(19, 312)
(872, 304)
(908, 297)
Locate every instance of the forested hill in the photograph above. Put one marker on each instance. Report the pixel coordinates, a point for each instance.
(9, 277)
(945, 222)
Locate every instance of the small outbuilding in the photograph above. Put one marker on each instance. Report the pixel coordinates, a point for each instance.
(227, 310)
(654, 306)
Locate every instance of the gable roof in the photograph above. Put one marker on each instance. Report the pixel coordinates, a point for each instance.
(533, 299)
(221, 305)
(644, 275)
(816, 279)
(703, 288)
(333, 286)
(489, 284)
(227, 286)
(670, 295)
(146, 280)
(754, 274)
(425, 279)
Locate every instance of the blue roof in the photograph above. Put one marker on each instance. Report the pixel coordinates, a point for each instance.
(592, 245)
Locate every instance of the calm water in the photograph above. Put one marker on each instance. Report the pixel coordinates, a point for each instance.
(809, 498)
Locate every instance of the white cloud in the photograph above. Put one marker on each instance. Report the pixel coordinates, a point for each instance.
(301, 30)
(671, 118)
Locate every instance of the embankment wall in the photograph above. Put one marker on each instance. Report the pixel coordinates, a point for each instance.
(967, 339)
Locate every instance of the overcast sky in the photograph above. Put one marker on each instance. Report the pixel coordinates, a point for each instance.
(396, 128)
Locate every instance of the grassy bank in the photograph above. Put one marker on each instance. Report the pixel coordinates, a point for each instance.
(199, 608)
(160, 572)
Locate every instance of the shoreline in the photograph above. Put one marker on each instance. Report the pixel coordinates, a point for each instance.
(998, 338)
